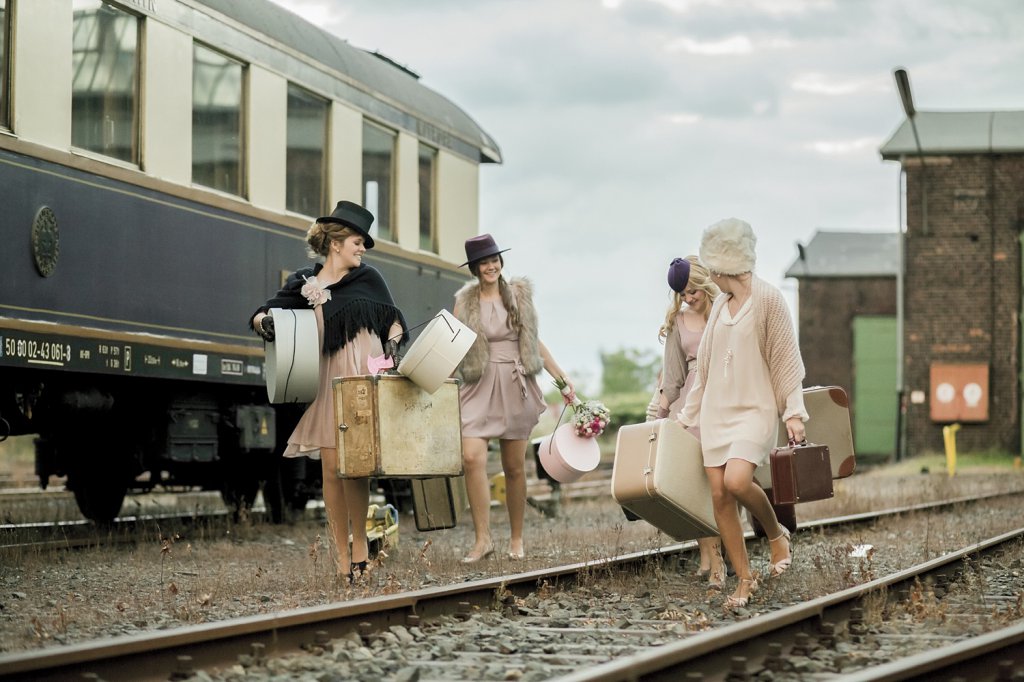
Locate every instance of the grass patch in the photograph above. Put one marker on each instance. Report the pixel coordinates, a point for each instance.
(935, 462)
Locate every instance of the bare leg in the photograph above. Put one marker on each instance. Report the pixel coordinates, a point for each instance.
(337, 508)
(513, 462)
(728, 519)
(711, 562)
(357, 493)
(474, 460)
(739, 481)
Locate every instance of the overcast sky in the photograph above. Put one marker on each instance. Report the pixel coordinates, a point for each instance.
(627, 126)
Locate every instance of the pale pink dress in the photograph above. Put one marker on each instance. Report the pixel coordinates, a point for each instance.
(738, 416)
(317, 428)
(505, 402)
(689, 341)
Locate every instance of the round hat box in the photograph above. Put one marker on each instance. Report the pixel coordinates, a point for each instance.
(567, 456)
(437, 351)
(293, 358)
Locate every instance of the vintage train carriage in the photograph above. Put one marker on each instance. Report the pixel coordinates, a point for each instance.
(160, 162)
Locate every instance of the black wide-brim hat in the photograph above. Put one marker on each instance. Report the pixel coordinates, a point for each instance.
(352, 215)
(480, 247)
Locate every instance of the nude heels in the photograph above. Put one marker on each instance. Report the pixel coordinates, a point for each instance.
(472, 558)
(782, 565)
(738, 602)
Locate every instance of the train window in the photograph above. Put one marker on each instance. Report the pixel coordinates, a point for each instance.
(428, 235)
(216, 120)
(378, 176)
(104, 82)
(307, 140)
(4, 62)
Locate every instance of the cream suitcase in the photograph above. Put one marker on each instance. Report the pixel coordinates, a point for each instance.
(829, 410)
(388, 427)
(659, 476)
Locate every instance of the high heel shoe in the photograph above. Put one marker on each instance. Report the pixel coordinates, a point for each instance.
(472, 558)
(782, 565)
(359, 566)
(738, 602)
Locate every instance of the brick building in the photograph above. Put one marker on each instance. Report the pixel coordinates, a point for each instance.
(964, 207)
(847, 324)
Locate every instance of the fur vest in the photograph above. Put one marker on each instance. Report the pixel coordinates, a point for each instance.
(467, 303)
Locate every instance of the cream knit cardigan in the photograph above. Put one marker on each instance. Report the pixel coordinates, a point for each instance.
(775, 336)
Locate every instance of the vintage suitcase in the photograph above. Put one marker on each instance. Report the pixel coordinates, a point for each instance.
(438, 502)
(829, 410)
(388, 427)
(658, 475)
(800, 473)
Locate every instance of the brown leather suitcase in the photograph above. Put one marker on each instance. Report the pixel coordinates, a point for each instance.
(659, 476)
(800, 473)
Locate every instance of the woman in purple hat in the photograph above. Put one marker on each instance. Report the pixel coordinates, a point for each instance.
(685, 320)
(356, 317)
(499, 396)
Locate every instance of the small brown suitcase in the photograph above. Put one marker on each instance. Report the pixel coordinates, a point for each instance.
(800, 473)
(438, 502)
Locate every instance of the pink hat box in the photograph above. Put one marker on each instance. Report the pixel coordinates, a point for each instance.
(437, 351)
(567, 456)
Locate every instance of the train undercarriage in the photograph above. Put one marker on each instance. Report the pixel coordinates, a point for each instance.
(111, 437)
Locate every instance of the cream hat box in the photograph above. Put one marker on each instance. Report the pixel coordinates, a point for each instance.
(437, 351)
(293, 358)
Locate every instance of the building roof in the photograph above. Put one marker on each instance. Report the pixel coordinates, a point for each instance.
(847, 254)
(958, 132)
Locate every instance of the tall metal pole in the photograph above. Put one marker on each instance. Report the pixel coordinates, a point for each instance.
(903, 86)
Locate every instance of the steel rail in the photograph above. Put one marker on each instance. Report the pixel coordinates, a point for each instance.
(219, 644)
(992, 652)
(713, 653)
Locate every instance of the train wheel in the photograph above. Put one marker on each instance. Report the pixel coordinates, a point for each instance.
(98, 494)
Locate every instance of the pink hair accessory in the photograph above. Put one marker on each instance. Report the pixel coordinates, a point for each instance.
(381, 362)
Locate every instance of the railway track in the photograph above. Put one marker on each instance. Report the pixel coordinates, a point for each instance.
(497, 619)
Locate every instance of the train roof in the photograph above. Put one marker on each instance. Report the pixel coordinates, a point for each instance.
(379, 76)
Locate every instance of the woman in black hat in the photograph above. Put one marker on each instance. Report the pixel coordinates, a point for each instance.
(499, 396)
(356, 318)
(693, 293)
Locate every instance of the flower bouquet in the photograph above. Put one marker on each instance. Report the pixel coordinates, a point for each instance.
(572, 450)
(590, 417)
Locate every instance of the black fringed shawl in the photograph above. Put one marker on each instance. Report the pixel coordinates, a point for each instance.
(359, 300)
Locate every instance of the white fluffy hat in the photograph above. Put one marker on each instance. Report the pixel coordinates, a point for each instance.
(727, 247)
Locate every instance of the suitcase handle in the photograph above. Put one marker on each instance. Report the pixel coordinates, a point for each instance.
(793, 443)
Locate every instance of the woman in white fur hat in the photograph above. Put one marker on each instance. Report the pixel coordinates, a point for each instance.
(749, 374)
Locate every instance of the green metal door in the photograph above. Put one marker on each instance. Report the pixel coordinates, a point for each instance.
(874, 384)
